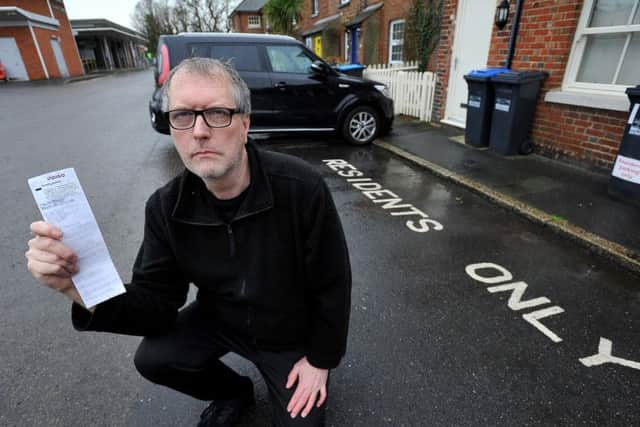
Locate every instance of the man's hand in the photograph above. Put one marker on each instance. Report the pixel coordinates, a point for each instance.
(312, 385)
(52, 262)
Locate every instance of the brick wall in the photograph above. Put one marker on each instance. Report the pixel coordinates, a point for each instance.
(44, 41)
(440, 60)
(236, 23)
(326, 9)
(241, 22)
(392, 10)
(305, 15)
(28, 49)
(580, 135)
(36, 6)
(67, 41)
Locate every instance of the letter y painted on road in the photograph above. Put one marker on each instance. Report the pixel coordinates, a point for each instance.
(604, 356)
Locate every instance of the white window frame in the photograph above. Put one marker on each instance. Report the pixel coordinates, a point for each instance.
(315, 7)
(578, 47)
(343, 2)
(347, 45)
(257, 24)
(393, 42)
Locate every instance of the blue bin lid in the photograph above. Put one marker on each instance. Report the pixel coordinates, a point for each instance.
(487, 72)
(349, 67)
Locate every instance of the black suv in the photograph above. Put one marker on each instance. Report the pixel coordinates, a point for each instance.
(291, 88)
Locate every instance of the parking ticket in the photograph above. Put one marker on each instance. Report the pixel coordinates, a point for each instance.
(62, 202)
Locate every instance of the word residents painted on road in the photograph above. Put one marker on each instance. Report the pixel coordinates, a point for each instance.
(387, 199)
(498, 275)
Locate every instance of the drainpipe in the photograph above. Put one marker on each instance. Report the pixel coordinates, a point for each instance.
(514, 33)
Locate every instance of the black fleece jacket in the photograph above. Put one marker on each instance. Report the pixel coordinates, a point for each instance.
(278, 274)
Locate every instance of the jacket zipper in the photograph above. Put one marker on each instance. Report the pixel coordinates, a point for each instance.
(232, 242)
(243, 293)
(249, 325)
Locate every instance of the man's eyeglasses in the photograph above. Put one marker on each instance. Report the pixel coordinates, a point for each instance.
(218, 117)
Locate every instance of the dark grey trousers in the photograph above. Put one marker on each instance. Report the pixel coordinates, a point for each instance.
(186, 359)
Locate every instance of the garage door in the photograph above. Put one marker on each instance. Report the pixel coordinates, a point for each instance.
(62, 64)
(11, 59)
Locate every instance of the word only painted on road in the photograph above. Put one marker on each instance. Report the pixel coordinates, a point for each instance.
(388, 200)
(498, 276)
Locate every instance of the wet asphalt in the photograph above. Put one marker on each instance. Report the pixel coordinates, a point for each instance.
(428, 344)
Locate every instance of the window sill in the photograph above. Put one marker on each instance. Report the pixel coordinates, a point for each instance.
(588, 99)
(344, 5)
(313, 15)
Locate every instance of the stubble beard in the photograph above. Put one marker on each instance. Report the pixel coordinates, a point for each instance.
(217, 169)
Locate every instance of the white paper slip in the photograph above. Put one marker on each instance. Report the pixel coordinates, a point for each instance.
(62, 202)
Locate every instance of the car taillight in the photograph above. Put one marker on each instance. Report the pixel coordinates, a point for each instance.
(164, 52)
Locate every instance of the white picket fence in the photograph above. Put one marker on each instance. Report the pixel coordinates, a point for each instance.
(412, 92)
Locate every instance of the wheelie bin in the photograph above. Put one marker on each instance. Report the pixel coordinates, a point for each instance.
(480, 105)
(516, 94)
(351, 69)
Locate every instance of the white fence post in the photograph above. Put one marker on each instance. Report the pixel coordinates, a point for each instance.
(412, 92)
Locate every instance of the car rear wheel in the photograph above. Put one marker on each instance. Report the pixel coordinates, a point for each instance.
(361, 126)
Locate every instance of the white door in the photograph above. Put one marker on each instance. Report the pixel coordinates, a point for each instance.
(11, 59)
(474, 24)
(62, 64)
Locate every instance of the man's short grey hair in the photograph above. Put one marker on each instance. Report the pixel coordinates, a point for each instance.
(214, 68)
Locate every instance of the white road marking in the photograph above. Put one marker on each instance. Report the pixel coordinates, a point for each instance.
(515, 300)
(504, 276)
(534, 316)
(604, 356)
(387, 199)
(515, 303)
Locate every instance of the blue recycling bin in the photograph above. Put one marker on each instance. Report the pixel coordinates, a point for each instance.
(480, 105)
(351, 69)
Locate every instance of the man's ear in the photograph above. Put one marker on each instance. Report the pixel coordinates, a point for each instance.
(246, 121)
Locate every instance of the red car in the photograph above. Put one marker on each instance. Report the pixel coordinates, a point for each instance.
(3, 75)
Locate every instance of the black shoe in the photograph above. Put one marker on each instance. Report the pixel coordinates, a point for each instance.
(226, 412)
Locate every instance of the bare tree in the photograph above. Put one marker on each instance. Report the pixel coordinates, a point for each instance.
(217, 11)
(155, 17)
(152, 18)
(180, 17)
(201, 15)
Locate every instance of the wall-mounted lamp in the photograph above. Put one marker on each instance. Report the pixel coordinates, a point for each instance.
(502, 13)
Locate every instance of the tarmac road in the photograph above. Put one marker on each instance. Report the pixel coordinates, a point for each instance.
(429, 343)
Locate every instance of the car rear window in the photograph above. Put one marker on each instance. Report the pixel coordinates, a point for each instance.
(243, 57)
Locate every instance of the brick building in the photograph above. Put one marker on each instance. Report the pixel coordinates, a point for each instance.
(36, 41)
(354, 31)
(590, 48)
(105, 45)
(247, 17)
